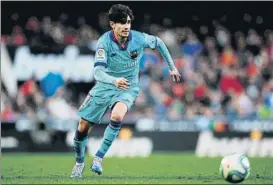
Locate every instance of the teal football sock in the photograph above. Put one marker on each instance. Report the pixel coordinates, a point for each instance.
(80, 142)
(109, 136)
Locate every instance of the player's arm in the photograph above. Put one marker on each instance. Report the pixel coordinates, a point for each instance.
(155, 42)
(100, 66)
(99, 70)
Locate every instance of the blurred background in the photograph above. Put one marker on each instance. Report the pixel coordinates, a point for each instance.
(224, 51)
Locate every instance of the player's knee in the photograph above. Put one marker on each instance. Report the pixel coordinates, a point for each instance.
(116, 117)
(84, 126)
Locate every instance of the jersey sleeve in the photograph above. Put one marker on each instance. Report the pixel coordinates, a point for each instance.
(154, 42)
(101, 64)
(150, 41)
(101, 55)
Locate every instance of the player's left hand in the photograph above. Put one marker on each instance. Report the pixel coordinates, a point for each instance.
(175, 75)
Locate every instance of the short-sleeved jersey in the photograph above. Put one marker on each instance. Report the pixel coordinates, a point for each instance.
(123, 61)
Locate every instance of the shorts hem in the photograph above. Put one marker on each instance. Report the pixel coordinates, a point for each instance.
(126, 103)
(89, 120)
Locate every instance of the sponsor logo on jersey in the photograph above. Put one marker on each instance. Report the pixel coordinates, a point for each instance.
(133, 54)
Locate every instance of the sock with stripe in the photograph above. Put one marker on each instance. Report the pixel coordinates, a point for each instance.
(109, 136)
(80, 141)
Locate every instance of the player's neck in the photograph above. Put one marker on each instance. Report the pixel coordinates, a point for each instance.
(121, 40)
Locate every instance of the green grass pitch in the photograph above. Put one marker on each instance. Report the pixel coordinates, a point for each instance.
(163, 168)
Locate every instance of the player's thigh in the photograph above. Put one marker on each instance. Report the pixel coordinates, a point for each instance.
(93, 108)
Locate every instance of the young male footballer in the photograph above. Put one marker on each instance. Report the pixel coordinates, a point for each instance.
(116, 70)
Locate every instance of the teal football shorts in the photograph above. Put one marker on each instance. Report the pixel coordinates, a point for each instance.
(101, 97)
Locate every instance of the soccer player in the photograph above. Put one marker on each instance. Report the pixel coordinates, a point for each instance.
(116, 70)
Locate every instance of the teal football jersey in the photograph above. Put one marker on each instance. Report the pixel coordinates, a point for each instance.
(123, 61)
(113, 61)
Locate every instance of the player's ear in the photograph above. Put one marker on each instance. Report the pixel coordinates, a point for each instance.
(112, 24)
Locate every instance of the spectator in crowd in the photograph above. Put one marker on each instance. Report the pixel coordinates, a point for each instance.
(30, 99)
(61, 114)
(7, 111)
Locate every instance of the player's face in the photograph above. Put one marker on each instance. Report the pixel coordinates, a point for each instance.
(122, 28)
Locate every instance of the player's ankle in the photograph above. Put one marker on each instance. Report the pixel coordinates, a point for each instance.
(82, 163)
(99, 158)
(99, 155)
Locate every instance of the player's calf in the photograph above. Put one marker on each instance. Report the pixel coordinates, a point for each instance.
(109, 136)
(80, 141)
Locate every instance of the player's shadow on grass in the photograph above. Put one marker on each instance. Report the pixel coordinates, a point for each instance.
(126, 177)
(169, 177)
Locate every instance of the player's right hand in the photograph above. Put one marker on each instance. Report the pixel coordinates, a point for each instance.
(122, 83)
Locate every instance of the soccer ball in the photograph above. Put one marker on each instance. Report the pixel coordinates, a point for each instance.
(235, 168)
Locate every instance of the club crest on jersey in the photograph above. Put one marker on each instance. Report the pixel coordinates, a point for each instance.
(101, 54)
(133, 54)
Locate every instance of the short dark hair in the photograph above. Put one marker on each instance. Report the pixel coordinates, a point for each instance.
(118, 13)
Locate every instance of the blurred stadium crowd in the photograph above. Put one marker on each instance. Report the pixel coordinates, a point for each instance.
(225, 73)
